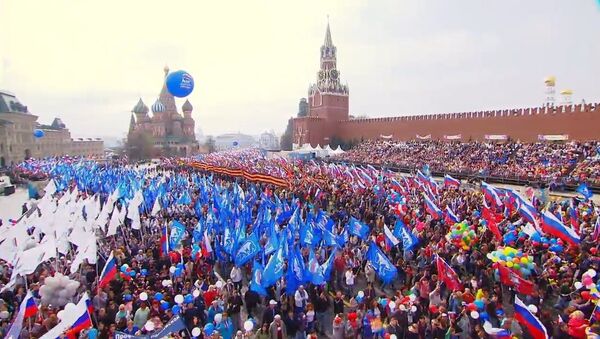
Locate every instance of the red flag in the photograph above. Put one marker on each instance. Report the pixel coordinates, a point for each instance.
(447, 274)
(510, 278)
(490, 218)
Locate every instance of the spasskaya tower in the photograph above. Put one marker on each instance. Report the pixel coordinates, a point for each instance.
(327, 101)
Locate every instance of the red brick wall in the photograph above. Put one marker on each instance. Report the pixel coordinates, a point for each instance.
(580, 123)
(328, 106)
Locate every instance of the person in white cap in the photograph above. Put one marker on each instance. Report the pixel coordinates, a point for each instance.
(277, 329)
(270, 312)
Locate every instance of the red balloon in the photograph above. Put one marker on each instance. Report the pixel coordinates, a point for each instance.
(586, 295)
(471, 307)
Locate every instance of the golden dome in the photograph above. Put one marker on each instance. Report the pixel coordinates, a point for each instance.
(566, 92)
(550, 80)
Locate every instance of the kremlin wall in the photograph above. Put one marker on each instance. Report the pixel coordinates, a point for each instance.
(328, 117)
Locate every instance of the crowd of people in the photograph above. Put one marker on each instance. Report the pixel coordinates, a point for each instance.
(342, 251)
(569, 162)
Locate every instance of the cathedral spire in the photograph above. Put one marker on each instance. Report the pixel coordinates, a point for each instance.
(131, 124)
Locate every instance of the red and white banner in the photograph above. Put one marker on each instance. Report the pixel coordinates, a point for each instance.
(453, 137)
(553, 137)
(386, 136)
(496, 137)
(426, 137)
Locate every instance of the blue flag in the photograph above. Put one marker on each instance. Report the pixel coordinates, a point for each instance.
(358, 228)
(295, 272)
(313, 272)
(307, 235)
(273, 243)
(177, 233)
(248, 249)
(329, 239)
(257, 279)
(584, 190)
(409, 240)
(381, 264)
(274, 268)
(228, 241)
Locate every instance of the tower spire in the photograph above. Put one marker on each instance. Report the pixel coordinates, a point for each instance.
(328, 42)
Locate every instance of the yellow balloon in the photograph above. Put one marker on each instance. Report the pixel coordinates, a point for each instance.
(524, 260)
(509, 264)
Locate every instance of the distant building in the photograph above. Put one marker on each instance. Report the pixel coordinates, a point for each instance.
(172, 133)
(328, 117)
(234, 140)
(302, 108)
(17, 142)
(268, 141)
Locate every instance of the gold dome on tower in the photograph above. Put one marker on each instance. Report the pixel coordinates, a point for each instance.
(550, 80)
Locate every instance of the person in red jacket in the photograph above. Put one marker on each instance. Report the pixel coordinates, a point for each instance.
(577, 324)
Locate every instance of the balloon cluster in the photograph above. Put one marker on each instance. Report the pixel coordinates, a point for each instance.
(477, 308)
(58, 290)
(553, 244)
(587, 281)
(462, 236)
(177, 271)
(513, 259)
(127, 273)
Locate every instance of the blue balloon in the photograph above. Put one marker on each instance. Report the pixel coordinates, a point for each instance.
(158, 296)
(123, 268)
(479, 303)
(180, 265)
(176, 309)
(484, 316)
(38, 133)
(180, 83)
(127, 297)
(144, 272)
(188, 299)
(164, 305)
(209, 329)
(178, 272)
(132, 274)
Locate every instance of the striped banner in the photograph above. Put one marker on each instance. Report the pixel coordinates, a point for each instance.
(235, 172)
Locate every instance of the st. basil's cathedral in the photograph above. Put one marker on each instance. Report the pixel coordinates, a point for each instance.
(171, 132)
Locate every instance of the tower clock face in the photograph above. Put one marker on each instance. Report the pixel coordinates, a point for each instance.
(334, 74)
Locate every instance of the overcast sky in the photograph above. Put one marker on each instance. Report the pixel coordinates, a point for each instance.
(88, 62)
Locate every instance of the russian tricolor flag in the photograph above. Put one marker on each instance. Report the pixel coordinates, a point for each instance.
(527, 212)
(431, 208)
(491, 193)
(451, 218)
(30, 307)
(390, 239)
(529, 320)
(450, 181)
(164, 241)
(553, 226)
(108, 272)
(84, 321)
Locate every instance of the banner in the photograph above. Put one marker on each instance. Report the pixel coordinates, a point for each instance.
(496, 137)
(553, 137)
(174, 325)
(453, 137)
(426, 137)
(252, 176)
(385, 136)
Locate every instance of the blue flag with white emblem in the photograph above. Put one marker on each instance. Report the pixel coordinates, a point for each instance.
(248, 249)
(177, 233)
(358, 228)
(584, 190)
(381, 263)
(409, 240)
(295, 272)
(257, 279)
(274, 268)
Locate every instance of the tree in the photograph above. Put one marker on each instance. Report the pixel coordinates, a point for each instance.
(210, 144)
(140, 146)
(286, 139)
